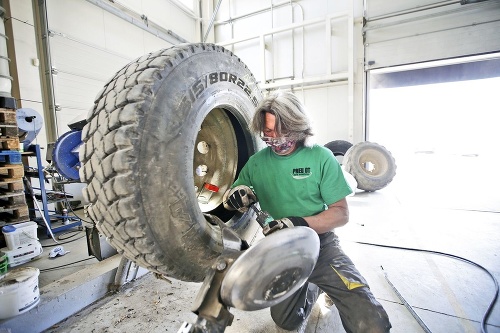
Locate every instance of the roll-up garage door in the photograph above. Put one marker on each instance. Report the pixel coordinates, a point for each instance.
(414, 31)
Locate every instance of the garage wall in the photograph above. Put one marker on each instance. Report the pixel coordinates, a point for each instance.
(385, 33)
(321, 61)
(88, 45)
(314, 47)
(413, 31)
(23, 56)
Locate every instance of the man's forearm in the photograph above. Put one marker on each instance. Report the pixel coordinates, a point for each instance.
(335, 216)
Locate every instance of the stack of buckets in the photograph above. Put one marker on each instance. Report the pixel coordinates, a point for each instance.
(19, 290)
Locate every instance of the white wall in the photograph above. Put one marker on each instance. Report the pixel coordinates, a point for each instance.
(307, 54)
(88, 45)
(27, 79)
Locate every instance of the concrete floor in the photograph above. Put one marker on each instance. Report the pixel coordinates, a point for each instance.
(449, 295)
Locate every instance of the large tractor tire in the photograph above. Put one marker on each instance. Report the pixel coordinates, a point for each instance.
(165, 139)
(339, 148)
(371, 164)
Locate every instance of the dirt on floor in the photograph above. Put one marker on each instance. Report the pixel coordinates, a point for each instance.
(151, 305)
(145, 305)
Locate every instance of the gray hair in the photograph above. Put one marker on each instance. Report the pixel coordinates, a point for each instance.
(291, 118)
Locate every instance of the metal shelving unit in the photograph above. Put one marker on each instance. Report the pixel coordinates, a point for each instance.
(34, 150)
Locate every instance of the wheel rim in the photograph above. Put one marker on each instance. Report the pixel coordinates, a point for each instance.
(373, 163)
(215, 159)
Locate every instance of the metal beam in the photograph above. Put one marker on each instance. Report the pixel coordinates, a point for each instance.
(46, 79)
(151, 27)
(328, 77)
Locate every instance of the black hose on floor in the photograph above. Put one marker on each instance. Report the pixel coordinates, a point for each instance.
(492, 303)
(65, 265)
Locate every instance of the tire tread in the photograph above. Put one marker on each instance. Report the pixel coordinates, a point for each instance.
(109, 160)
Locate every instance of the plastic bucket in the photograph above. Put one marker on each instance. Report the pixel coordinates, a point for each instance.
(18, 235)
(19, 291)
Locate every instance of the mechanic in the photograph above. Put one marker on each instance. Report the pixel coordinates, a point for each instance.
(301, 184)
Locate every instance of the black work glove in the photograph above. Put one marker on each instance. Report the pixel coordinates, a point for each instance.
(239, 198)
(286, 222)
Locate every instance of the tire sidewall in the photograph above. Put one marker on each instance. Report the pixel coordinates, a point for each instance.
(183, 100)
(339, 147)
(366, 181)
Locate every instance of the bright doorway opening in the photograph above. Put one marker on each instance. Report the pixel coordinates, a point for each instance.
(443, 133)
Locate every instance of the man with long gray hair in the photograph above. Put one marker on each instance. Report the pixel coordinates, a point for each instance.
(301, 184)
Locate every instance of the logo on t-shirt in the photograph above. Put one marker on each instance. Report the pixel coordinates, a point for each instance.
(301, 173)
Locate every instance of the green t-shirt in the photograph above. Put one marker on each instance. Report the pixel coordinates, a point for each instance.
(300, 184)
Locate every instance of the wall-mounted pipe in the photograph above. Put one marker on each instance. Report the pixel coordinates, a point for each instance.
(214, 14)
(303, 81)
(466, 2)
(151, 27)
(271, 8)
(255, 12)
(458, 9)
(338, 16)
(412, 10)
(200, 23)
